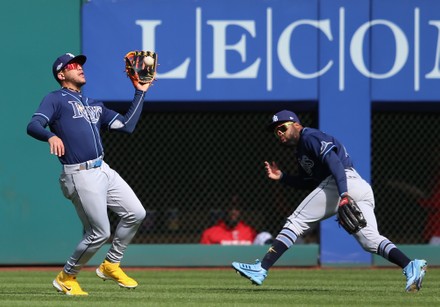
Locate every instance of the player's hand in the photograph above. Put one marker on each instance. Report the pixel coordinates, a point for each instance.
(141, 87)
(344, 199)
(56, 146)
(272, 170)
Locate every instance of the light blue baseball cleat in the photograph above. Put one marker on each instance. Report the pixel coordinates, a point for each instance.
(254, 272)
(414, 272)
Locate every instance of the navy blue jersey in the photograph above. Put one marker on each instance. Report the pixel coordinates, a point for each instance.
(77, 121)
(319, 156)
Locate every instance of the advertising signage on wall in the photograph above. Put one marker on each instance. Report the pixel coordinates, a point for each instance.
(259, 50)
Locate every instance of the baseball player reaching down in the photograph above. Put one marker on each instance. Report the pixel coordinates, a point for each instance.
(91, 184)
(326, 167)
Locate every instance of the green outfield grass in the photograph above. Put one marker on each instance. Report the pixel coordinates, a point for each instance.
(215, 287)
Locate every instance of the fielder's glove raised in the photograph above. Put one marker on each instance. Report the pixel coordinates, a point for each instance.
(141, 66)
(350, 216)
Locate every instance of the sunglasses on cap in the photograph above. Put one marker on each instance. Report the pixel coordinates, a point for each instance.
(281, 129)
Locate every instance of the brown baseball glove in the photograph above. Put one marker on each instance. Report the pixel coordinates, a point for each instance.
(141, 66)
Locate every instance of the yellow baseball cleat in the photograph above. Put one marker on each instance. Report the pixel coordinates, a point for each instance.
(67, 284)
(110, 270)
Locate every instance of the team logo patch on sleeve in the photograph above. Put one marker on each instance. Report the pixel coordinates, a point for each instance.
(325, 146)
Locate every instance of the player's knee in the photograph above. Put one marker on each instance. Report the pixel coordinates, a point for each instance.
(136, 216)
(99, 237)
(140, 215)
(103, 235)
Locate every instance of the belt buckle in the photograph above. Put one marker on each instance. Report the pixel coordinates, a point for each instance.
(91, 164)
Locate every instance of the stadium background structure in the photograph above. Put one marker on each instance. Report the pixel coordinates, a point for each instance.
(31, 208)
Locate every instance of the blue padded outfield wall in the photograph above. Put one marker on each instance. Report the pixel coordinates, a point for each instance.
(334, 55)
(267, 50)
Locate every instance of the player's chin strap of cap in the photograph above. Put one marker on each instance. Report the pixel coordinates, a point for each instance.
(68, 168)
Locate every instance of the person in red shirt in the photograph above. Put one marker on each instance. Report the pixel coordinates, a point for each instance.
(432, 205)
(230, 230)
(428, 201)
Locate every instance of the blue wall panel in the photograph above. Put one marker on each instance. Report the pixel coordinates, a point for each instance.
(344, 111)
(207, 51)
(405, 50)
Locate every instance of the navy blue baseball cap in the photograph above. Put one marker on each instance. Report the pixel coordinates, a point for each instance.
(282, 117)
(65, 59)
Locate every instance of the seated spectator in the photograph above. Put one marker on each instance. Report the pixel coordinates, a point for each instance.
(430, 201)
(230, 230)
(263, 238)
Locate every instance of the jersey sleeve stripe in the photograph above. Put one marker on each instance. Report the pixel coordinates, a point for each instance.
(326, 152)
(113, 119)
(42, 115)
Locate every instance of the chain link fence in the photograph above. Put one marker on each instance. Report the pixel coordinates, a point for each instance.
(405, 169)
(186, 167)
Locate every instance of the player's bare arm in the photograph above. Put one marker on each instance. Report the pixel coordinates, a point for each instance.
(272, 170)
(56, 146)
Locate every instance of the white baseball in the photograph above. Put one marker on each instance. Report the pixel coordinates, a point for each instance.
(148, 61)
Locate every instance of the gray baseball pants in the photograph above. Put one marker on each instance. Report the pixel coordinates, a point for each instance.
(92, 191)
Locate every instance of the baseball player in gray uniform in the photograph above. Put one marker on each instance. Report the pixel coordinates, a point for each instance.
(91, 184)
(326, 167)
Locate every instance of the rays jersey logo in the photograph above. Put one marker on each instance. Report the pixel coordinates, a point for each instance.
(325, 146)
(89, 113)
(307, 164)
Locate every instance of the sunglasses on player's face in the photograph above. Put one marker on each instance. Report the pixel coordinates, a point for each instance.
(281, 129)
(72, 66)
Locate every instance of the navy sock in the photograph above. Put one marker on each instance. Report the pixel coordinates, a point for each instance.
(390, 252)
(273, 254)
(399, 258)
